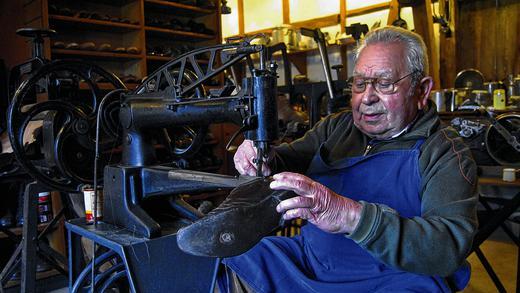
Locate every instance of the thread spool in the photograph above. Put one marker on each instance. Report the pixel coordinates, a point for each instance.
(88, 196)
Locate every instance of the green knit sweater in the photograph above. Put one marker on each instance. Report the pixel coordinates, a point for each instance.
(437, 242)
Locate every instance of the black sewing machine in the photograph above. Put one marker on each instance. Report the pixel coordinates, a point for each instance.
(170, 97)
(74, 124)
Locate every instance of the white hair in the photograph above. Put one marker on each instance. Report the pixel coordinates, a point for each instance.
(416, 52)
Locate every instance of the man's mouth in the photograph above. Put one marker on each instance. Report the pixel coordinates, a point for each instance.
(372, 116)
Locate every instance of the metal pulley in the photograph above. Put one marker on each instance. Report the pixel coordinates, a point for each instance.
(503, 139)
(57, 104)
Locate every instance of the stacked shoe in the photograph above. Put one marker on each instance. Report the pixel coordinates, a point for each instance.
(246, 215)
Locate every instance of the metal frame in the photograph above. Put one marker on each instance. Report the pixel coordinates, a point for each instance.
(25, 254)
(173, 271)
(493, 221)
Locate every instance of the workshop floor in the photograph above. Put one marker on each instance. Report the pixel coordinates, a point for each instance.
(502, 255)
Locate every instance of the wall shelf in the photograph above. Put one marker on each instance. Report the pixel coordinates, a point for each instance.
(73, 23)
(94, 54)
(122, 24)
(182, 35)
(179, 8)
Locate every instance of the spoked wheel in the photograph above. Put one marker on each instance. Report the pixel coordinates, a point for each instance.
(499, 148)
(187, 140)
(52, 123)
(110, 275)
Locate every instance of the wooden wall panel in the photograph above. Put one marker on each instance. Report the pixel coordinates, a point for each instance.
(14, 49)
(488, 37)
(423, 23)
(448, 49)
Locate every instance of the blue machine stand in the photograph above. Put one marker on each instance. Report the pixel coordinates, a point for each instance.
(148, 265)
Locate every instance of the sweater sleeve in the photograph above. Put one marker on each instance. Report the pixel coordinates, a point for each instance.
(437, 242)
(297, 155)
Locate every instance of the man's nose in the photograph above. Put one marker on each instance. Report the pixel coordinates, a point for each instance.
(370, 95)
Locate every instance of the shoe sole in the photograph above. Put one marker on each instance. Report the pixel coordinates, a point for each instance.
(232, 232)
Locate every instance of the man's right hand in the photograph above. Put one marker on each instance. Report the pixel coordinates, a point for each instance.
(245, 159)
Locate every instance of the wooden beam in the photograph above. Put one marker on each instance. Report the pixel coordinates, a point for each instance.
(343, 49)
(448, 49)
(342, 15)
(286, 12)
(240, 10)
(368, 9)
(423, 22)
(319, 22)
(344, 61)
(393, 12)
(516, 68)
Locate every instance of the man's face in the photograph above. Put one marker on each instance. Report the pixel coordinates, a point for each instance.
(382, 115)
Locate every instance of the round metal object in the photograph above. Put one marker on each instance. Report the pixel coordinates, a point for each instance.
(62, 155)
(187, 140)
(227, 238)
(35, 32)
(109, 273)
(469, 78)
(496, 144)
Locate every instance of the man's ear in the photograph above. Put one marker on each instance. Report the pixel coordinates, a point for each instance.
(424, 88)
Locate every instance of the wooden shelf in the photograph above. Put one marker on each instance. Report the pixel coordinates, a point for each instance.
(183, 9)
(112, 2)
(94, 54)
(163, 32)
(72, 23)
(495, 181)
(368, 9)
(158, 58)
(290, 53)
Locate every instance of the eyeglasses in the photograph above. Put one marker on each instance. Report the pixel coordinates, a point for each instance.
(381, 85)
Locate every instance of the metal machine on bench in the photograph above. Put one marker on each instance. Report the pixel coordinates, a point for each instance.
(142, 248)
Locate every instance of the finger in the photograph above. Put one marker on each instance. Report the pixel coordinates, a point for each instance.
(297, 183)
(244, 166)
(293, 203)
(301, 213)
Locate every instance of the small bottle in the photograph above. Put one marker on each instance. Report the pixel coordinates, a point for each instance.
(499, 99)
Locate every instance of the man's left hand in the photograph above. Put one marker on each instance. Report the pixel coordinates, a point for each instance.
(316, 203)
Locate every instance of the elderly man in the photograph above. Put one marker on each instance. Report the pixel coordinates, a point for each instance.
(389, 194)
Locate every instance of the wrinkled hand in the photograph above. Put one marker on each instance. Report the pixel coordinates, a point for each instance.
(244, 159)
(316, 203)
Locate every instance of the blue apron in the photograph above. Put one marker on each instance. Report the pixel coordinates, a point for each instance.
(317, 261)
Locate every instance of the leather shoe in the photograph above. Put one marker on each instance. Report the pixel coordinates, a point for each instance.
(246, 215)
